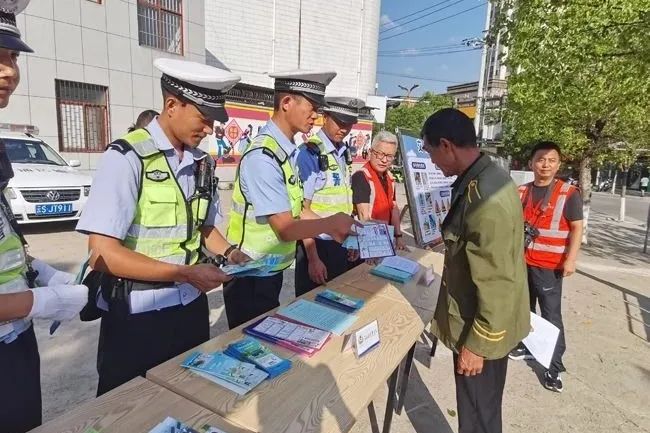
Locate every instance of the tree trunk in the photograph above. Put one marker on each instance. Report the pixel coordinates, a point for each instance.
(585, 187)
(614, 182)
(597, 177)
(621, 212)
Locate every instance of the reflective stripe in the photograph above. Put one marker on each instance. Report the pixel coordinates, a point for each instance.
(557, 212)
(555, 234)
(11, 259)
(16, 285)
(143, 232)
(559, 206)
(330, 199)
(145, 148)
(547, 248)
(239, 209)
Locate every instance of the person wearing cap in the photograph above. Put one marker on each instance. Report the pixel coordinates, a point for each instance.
(324, 163)
(152, 206)
(267, 215)
(29, 288)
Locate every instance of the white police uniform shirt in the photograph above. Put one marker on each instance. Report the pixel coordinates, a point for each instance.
(313, 179)
(261, 179)
(111, 207)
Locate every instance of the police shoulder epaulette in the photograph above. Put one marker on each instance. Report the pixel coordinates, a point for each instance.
(121, 146)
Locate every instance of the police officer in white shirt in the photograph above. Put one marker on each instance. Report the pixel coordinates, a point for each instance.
(29, 288)
(152, 206)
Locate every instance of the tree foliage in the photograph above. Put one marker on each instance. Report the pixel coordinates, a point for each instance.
(412, 117)
(579, 76)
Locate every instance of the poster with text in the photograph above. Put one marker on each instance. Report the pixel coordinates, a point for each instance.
(427, 189)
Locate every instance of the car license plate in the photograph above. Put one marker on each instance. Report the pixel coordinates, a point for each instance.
(53, 209)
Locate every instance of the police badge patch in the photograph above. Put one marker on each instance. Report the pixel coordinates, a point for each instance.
(157, 175)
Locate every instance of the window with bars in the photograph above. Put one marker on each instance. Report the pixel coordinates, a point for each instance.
(82, 111)
(160, 24)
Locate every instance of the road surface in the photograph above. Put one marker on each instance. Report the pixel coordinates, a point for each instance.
(635, 207)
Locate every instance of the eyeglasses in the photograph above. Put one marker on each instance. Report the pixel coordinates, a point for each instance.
(382, 155)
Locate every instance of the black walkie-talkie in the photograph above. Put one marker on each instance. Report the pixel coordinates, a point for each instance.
(348, 156)
(323, 163)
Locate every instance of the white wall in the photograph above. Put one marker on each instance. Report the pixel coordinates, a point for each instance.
(259, 36)
(80, 40)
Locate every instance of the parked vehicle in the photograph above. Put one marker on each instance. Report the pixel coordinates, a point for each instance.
(45, 187)
(604, 185)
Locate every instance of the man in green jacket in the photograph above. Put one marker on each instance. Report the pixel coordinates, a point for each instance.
(483, 307)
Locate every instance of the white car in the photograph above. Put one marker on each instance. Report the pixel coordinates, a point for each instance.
(45, 187)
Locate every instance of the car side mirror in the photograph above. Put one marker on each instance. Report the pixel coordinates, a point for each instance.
(74, 163)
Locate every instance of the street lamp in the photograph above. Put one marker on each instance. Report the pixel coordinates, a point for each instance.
(408, 91)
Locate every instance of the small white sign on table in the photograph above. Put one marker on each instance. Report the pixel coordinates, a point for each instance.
(364, 339)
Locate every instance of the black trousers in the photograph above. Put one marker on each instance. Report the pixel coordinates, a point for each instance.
(131, 344)
(331, 253)
(545, 287)
(248, 297)
(479, 398)
(20, 384)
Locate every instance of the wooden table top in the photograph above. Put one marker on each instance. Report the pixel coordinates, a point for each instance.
(327, 392)
(135, 407)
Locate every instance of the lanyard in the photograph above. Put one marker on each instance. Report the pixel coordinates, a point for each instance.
(543, 204)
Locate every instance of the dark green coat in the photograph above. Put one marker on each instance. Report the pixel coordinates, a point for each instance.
(483, 303)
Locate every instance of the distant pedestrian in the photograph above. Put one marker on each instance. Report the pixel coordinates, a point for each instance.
(644, 185)
(143, 120)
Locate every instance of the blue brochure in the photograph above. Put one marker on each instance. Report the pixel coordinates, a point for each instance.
(319, 316)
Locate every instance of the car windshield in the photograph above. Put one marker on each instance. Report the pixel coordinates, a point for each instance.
(31, 152)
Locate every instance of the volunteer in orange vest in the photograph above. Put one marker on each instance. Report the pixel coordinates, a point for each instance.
(553, 233)
(373, 187)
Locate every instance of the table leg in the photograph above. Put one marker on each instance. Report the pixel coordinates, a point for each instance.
(403, 386)
(390, 402)
(374, 425)
(434, 345)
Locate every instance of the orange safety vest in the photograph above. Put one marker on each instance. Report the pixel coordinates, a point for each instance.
(381, 201)
(548, 249)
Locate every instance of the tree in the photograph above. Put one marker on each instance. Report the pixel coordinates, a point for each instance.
(579, 76)
(412, 117)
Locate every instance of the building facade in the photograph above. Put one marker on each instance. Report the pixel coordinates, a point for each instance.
(92, 72)
(255, 37)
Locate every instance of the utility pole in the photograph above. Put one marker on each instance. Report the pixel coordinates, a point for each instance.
(483, 78)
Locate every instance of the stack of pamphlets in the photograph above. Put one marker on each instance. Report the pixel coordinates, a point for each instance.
(299, 338)
(250, 350)
(171, 425)
(339, 300)
(226, 371)
(318, 315)
(396, 269)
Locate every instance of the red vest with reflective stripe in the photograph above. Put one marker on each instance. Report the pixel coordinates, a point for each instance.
(548, 250)
(381, 201)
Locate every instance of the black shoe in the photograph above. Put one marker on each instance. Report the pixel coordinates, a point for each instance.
(520, 353)
(552, 382)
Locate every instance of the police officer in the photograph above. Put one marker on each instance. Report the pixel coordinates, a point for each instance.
(152, 205)
(482, 310)
(267, 216)
(20, 298)
(324, 163)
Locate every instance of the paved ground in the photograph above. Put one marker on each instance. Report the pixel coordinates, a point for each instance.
(606, 387)
(636, 208)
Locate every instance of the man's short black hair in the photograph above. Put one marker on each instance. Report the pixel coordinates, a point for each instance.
(451, 124)
(277, 99)
(545, 145)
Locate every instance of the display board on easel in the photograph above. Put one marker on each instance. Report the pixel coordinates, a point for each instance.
(428, 191)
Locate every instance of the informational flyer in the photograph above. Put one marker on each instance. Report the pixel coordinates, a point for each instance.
(375, 241)
(428, 190)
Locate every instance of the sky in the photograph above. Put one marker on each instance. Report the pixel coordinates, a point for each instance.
(441, 37)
